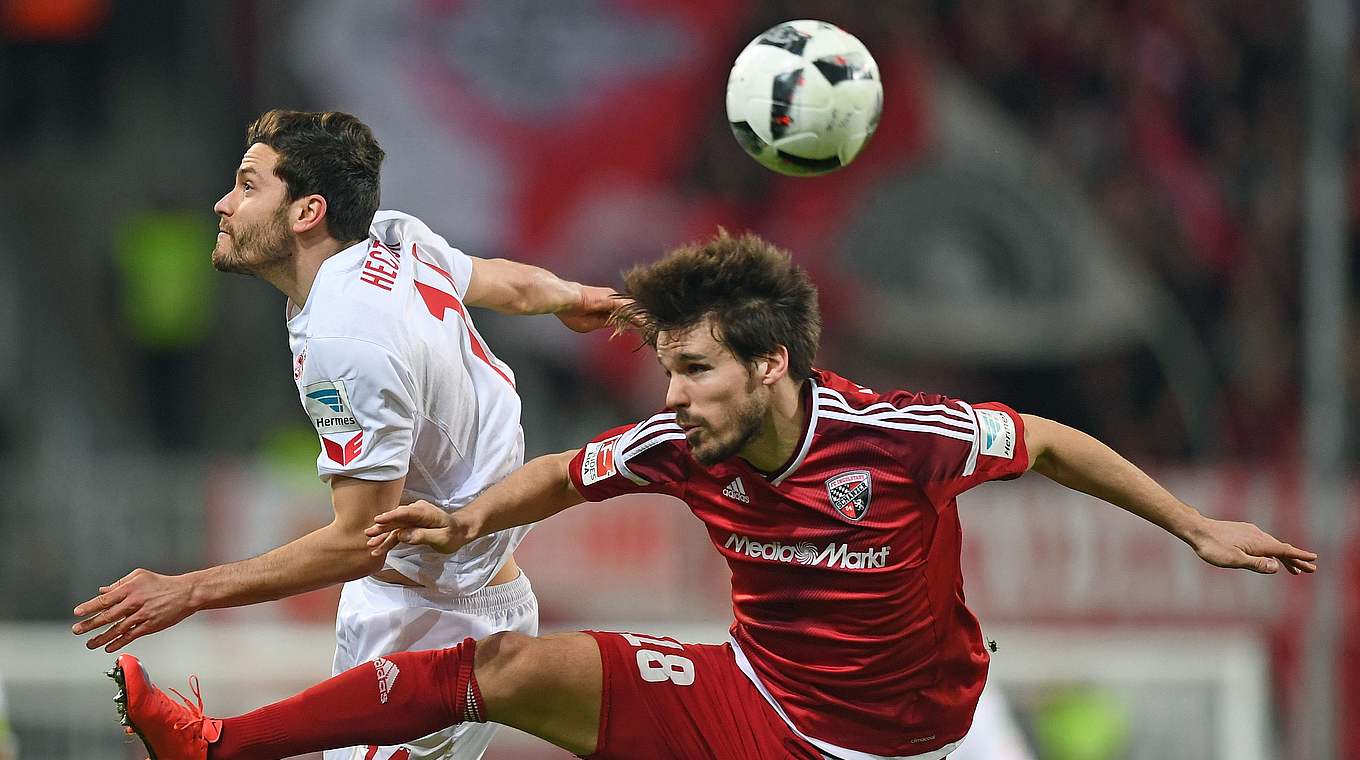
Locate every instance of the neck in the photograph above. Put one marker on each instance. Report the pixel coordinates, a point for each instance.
(294, 276)
(780, 431)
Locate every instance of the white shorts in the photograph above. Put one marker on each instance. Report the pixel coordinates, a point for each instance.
(376, 618)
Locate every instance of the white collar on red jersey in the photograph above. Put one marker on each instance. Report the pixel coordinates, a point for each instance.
(811, 408)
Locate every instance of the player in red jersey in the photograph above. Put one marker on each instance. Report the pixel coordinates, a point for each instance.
(834, 506)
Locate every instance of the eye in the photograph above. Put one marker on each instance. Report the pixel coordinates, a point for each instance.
(246, 186)
(695, 369)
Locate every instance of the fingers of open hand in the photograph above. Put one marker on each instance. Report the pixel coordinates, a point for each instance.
(435, 538)
(1298, 566)
(421, 514)
(1281, 554)
(1289, 551)
(106, 615)
(121, 635)
(101, 610)
(383, 543)
(118, 583)
(124, 629)
(1264, 565)
(99, 603)
(384, 521)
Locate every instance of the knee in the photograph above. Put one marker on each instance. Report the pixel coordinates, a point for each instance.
(505, 658)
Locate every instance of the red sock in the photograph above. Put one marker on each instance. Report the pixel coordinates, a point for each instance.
(393, 699)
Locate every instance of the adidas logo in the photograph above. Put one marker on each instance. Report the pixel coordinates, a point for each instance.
(387, 677)
(735, 490)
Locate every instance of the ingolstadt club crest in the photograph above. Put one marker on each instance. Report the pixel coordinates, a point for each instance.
(850, 493)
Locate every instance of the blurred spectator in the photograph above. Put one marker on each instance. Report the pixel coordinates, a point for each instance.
(167, 301)
(53, 66)
(1082, 723)
(1182, 121)
(9, 748)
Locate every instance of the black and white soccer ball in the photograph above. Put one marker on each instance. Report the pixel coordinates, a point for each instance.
(804, 97)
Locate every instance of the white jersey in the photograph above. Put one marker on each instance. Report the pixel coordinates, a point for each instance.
(398, 383)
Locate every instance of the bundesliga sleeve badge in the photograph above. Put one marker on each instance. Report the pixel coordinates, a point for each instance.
(850, 493)
(328, 406)
(998, 434)
(598, 462)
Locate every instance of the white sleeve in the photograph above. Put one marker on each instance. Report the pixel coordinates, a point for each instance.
(360, 399)
(399, 230)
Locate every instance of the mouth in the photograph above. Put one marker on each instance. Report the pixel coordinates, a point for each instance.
(691, 432)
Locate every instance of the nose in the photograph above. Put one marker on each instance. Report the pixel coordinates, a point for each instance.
(677, 396)
(221, 208)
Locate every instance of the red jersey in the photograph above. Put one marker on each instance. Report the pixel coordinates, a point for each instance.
(846, 585)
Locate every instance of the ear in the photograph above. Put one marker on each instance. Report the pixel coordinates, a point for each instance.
(773, 367)
(309, 213)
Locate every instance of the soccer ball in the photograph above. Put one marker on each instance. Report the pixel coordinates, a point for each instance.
(804, 97)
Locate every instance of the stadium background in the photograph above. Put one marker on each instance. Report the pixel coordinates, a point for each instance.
(1101, 212)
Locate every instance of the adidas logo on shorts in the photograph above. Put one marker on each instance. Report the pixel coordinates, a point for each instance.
(736, 490)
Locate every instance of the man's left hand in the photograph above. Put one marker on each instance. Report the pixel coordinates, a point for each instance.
(139, 603)
(1243, 545)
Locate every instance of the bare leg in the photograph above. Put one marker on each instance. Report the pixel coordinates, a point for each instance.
(550, 686)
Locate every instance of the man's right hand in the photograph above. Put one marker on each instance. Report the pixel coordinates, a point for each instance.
(594, 309)
(419, 523)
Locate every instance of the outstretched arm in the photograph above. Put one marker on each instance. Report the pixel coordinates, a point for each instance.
(536, 491)
(514, 288)
(143, 602)
(1078, 461)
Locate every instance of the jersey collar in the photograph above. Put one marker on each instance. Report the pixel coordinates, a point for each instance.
(810, 427)
(294, 316)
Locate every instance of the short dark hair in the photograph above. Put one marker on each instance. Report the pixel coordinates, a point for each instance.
(330, 154)
(756, 298)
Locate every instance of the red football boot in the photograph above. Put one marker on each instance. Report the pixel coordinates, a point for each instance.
(170, 730)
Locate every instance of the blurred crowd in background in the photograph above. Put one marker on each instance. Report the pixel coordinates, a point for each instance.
(1180, 122)
(1183, 122)
(1103, 199)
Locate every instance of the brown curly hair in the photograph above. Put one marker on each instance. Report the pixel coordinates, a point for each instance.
(330, 154)
(756, 298)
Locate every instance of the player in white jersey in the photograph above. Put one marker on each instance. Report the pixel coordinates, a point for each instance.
(407, 399)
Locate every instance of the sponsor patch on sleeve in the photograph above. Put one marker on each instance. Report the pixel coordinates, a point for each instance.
(997, 432)
(327, 404)
(343, 449)
(598, 462)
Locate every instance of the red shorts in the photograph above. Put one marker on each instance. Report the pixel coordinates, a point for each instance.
(664, 699)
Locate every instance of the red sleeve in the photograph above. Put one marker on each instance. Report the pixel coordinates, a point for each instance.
(991, 448)
(649, 457)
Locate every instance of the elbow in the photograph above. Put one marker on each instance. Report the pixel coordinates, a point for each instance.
(1044, 464)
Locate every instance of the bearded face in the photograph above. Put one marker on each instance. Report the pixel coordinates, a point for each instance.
(734, 422)
(253, 229)
(717, 400)
(246, 247)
